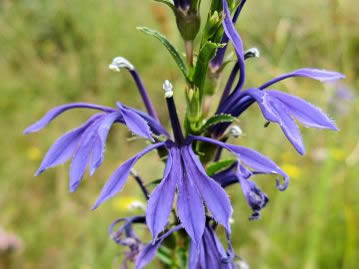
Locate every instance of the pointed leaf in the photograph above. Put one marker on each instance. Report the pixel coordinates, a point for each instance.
(172, 50)
(219, 166)
(216, 119)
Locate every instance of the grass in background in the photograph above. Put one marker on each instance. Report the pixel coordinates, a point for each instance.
(53, 52)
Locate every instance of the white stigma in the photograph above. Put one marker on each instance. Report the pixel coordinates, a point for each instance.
(120, 62)
(168, 88)
(236, 131)
(255, 52)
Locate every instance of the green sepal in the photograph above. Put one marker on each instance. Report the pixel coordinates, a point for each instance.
(220, 166)
(207, 52)
(172, 50)
(216, 119)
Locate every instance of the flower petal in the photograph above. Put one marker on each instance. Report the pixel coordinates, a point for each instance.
(304, 111)
(233, 35)
(161, 200)
(190, 208)
(149, 251)
(135, 122)
(115, 183)
(211, 192)
(53, 113)
(251, 158)
(313, 73)
(83, 155)
(64, 147)
(288, 125)
(100, 143)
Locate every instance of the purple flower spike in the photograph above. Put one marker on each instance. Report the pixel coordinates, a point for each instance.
(282, 108)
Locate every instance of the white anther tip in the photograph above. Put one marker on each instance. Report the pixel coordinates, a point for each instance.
(168, 88)
(255, 52)
(120, 62)
(236, 131)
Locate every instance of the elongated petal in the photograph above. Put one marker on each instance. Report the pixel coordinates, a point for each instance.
(276, 111)
(304, 111)
(53, 113)
(251, 158)
(82, 156)
(96, 156)
(115, 183)
(135, 122)
(233, 35)
(212, 193)
(313, 73)
(190, 208)
(100, 143)
(161, 200)
(155, 125)
(149, 251)
(193, 257)
(64, 147)
(289, 126)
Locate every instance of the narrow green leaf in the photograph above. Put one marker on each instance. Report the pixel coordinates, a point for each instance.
(206, 53)
(216, 119)
(172, 50)
(214, 168)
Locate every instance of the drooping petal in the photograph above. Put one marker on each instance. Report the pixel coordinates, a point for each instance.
(155, 125)
(304, 111)
(53, 113)
(82, 156)
(149, 251)
(190, 208)
(211, 192)
(135, 122)
(161, 200)
(115, 183)
(313, 73)
(289, 126)
(275, 111)
(64, 147)
(100, 143)
(251, 158)
(255, 197)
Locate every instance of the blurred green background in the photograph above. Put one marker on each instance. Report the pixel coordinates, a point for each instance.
(54, 52)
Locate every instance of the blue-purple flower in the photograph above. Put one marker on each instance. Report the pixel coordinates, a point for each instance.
(86, 144)
(185, 173)
(276, 106)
